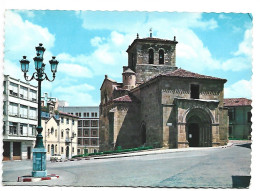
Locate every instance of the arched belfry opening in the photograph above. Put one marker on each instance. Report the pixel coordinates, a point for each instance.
(199, 128)
(151, 56)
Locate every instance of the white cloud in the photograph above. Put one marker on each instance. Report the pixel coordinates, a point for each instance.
(96, 41)
(236, 64)
(239, 89)
(79, 99)
(77, 94)
(245, 47)
(74, 89)
(21, 37)
(13, 69)
(75, 70)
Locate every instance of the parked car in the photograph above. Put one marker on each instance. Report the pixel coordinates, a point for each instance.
(55, 157)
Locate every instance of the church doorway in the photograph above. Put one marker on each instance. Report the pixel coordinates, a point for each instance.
(193, 134)
(198, 128)
(67, 152)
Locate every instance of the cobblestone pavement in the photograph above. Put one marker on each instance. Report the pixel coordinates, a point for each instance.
(222, 167)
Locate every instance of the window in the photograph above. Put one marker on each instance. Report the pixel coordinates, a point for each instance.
(194, 88)
(13, 89)
(55, 148)
(4, 87)
(151, 55)
(80, 123)
(231, 114)
(86, 141)
(73, 149)
(61, 149)
(32, 95)
(4, 108)
(23, 92)
(13, 109)
(78, 151)
(68, 121)
(23, 129)
(72, 121)
(23, 111)
(79, 114)
(94, 123)
(86, 123)
(62, 120)
(85, 114)
(249, 116)
(92, 114)
(62, 134)
(56, 133)
(86, 132)
(12, 128)
(94, 132)
(95, 114)
(94, 142)
(48, 148)
(32, 113)
(79, 132)
(79, 141)
(161, 56)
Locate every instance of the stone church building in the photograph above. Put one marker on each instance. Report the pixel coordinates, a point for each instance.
(159, 104)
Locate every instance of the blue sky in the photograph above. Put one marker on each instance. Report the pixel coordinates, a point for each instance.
(90, 44)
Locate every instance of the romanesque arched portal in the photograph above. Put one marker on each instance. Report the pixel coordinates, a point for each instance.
(199, 128)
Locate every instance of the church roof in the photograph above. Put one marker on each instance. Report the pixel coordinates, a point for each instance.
(237, 102)
(181, 73)
(125, 98)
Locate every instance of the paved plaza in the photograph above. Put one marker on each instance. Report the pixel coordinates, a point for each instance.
(221, 167)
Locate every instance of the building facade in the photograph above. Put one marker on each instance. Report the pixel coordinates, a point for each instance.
(19, 119)
(159, 104)
(60, 135)
(88, 127)
(239, 112)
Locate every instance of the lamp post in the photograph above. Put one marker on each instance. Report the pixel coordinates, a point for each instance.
(39, 152)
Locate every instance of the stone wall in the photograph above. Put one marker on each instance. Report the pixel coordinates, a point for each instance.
(151, 114)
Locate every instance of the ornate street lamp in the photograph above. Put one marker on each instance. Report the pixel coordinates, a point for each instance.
(39, 152)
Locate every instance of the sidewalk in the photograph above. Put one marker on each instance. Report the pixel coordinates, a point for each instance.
(149, 152)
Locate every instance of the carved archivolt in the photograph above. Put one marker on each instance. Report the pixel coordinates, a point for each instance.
(199, 108)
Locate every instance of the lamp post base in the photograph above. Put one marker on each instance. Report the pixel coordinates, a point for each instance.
(39, 162)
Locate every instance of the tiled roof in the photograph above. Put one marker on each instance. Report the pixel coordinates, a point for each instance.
(187, 74)
(150, 39)
(237, 102)
(67, 114)
(156, 39)
(125, 98)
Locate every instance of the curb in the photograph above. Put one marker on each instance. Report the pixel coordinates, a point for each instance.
(29, 178)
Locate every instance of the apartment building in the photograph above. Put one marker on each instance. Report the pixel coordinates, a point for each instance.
(88, 127)
(239, 112)
(19, 119)
(60, 135)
